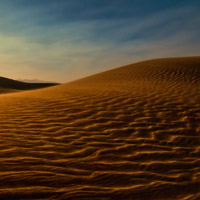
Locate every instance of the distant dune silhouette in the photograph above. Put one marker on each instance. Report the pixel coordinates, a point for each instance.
(8, 85)
(131, 133)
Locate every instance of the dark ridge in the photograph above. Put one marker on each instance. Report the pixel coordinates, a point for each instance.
(6, 83)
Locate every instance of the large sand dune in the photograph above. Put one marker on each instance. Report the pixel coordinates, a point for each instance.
(132, 133)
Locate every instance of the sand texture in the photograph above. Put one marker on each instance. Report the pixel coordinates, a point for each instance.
(132, 133)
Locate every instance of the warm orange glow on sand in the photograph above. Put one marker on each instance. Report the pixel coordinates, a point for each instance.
(129, 133)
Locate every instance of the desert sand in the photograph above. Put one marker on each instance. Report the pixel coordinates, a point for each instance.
(131, 133)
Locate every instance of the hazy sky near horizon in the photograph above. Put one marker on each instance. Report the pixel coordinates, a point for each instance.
(63, 40)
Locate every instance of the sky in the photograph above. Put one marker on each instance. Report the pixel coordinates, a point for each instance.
(64, 40)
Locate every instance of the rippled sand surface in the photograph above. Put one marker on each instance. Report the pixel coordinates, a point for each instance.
(132, 133)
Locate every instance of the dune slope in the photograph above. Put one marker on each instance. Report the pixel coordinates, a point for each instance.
(128, 133)
(9, 85)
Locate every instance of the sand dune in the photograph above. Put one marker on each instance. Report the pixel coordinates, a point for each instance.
(130, 133)
(8, 85)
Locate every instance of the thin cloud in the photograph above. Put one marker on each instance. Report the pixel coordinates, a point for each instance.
(76, 48)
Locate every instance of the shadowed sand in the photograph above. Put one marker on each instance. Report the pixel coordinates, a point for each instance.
(131, 133)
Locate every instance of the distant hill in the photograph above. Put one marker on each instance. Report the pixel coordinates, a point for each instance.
(8, 85)
(33, 81)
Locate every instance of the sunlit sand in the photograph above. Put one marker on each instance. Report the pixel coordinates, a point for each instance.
(131, 133)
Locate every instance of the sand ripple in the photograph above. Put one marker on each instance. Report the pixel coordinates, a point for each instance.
(129, 133)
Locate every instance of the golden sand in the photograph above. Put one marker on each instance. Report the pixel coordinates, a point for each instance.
(131, 133)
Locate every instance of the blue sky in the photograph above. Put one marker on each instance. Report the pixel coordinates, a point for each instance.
(64, 40)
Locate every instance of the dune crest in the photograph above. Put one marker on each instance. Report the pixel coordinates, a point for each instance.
(128, 133)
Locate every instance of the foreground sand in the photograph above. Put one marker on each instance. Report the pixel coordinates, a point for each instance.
(132, 133)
